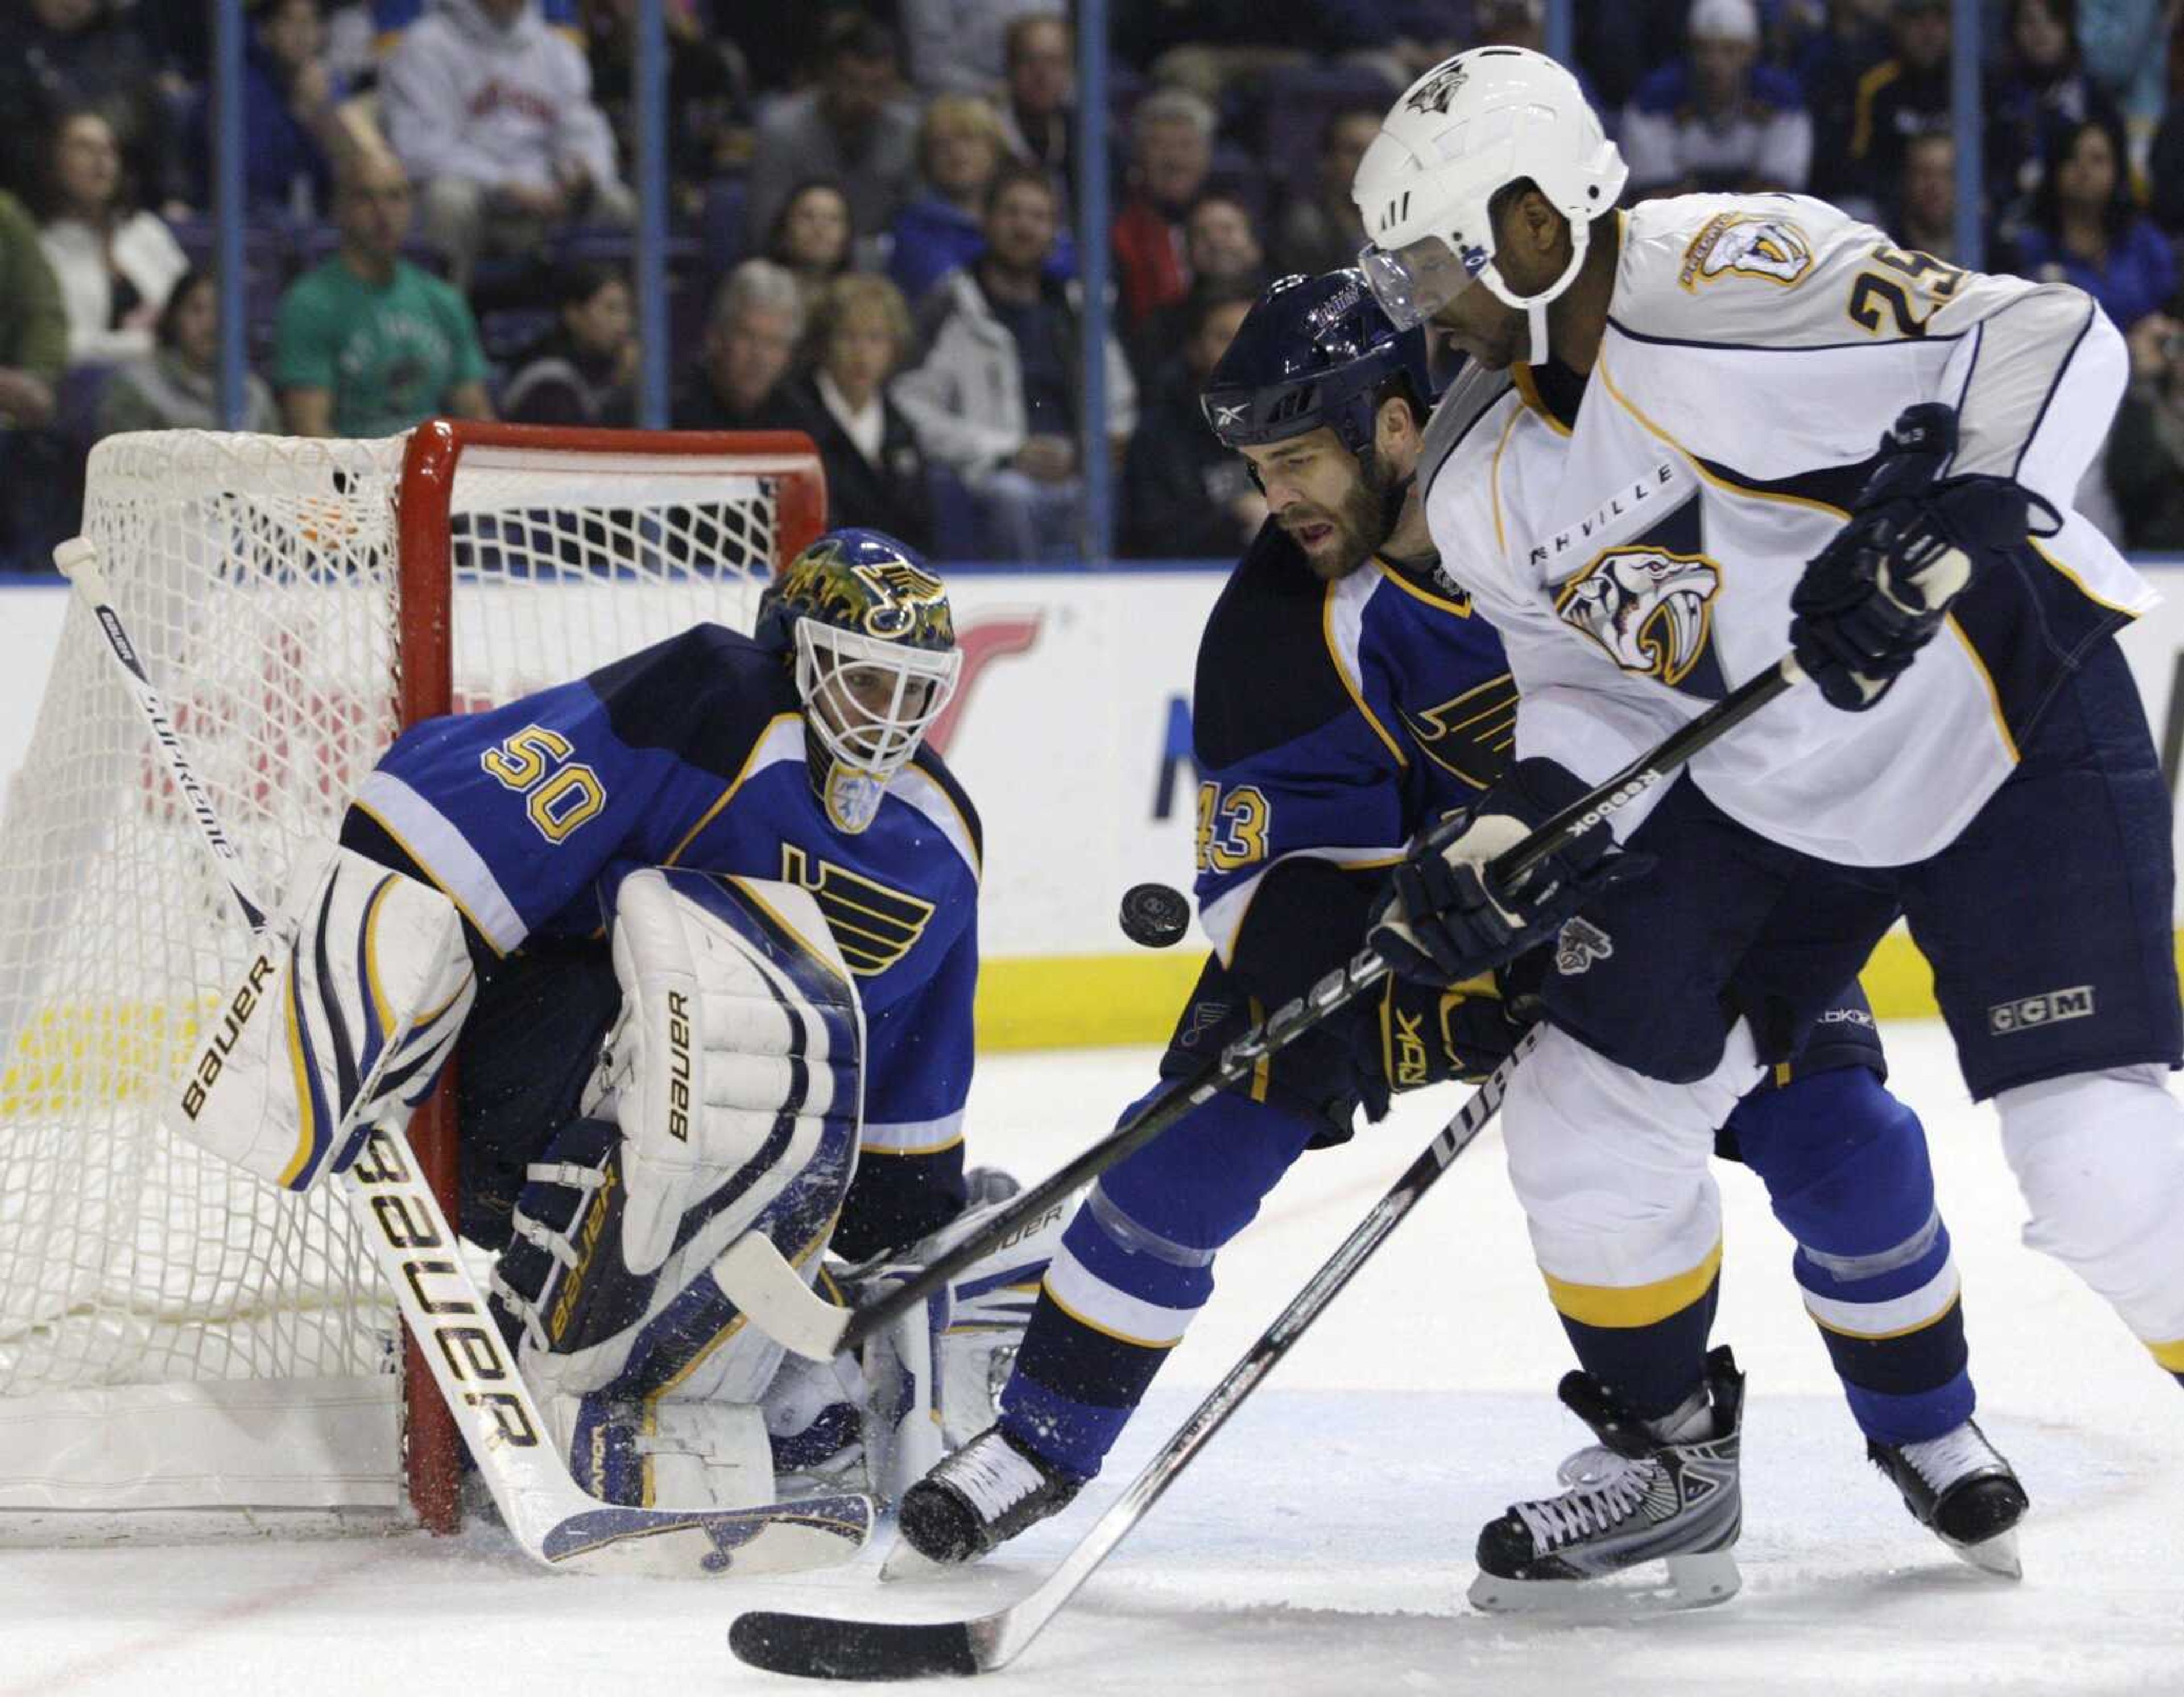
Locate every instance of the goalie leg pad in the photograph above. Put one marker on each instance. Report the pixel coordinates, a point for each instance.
(731, 1023)
(737, 1014)
(936, 1375)
(347, 1025)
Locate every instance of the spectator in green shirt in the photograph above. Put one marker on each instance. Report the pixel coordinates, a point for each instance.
(368, 344)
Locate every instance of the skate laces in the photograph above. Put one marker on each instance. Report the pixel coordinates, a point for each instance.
(1606, 1488)
(993, 1476)
(1944, 1460)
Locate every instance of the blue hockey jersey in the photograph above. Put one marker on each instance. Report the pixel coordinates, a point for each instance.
(693, 753)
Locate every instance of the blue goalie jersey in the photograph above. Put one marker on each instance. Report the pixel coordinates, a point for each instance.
(690, 753)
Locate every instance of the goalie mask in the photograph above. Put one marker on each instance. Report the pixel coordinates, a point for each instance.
(873, 642)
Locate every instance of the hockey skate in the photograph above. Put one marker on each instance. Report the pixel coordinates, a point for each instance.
(1636, 1496)
(1960, 1487)
(979, 1498)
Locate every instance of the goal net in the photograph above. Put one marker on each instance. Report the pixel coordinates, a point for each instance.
(176, 1334)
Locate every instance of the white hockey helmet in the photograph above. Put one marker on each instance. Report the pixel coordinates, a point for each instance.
(1458, 135)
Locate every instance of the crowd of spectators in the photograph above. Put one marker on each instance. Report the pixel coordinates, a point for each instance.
(871, 206)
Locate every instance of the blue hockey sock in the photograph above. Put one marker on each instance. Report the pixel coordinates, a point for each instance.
(1846, 1169)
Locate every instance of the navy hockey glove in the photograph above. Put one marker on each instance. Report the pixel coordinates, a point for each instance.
(1876, 594)
(1440, 924)
(1428, 1032)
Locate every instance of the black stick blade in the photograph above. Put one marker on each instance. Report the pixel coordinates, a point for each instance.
(811, 1647)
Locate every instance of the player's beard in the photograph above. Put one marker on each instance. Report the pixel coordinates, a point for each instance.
(1359, 526)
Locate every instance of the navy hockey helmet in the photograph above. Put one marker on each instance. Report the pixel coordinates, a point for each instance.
(870, 637)
(1313, 351)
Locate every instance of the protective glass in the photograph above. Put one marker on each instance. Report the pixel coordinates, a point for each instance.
(870, 700)
(1416, 281)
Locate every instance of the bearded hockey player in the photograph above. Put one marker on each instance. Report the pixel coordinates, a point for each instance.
(1347, 697)
(1660, 473)
(706, 922)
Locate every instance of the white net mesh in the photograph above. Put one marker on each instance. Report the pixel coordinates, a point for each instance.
(258, 579)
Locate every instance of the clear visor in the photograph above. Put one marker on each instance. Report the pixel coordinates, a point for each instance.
(871, 699)
(1416, 281)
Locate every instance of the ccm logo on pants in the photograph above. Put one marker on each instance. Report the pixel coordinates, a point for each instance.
(2074, 1003)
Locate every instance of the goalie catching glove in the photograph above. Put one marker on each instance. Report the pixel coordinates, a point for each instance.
(347, 1025)
(1876, 594)
(1441, 922)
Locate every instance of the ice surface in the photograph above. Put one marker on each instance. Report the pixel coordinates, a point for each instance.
(1321, 1543)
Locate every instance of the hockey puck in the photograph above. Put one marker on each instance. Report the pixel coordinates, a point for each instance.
(1154, 915)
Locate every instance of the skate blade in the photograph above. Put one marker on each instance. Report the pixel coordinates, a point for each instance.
(1692, 1582)
(1997, 1556)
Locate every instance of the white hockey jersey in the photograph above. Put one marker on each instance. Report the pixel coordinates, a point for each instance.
(1640, 565)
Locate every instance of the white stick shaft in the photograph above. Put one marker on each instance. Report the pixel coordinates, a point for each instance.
(420, 1257)
(78, 561)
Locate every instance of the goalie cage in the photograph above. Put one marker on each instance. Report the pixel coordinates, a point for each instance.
(182, 1347)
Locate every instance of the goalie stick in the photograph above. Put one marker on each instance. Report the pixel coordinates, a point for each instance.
(556, 1523)
(815, 1648)
(779, 1303)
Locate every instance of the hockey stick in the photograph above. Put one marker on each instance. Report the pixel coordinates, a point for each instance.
(815, 1648)
(420, 1257)
(782, 1306)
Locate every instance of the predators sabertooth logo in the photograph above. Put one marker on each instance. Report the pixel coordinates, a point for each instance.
(874, 926)
(1438, 90)
(1651, 608)
(1743, 244)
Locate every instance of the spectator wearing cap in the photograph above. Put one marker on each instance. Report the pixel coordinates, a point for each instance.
(960, 47)
(1717, 119)
(366, 343)
(2042, 93)
(2085, 230)
(492, 112)
(995, 397)
(1320, 231)
(1040, 115)
(750, 341)
(853, 127)
(875, 464)
(1903, 95)
(1171, 154)
(583, 370)
(1185, 495)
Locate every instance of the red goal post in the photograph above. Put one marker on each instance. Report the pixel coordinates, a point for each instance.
(299, 602)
